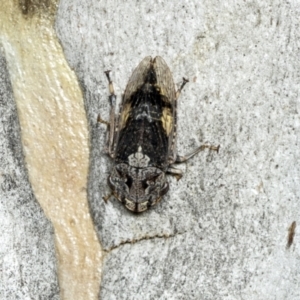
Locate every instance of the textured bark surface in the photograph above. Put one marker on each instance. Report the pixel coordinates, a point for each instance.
(55, 142)
(221, 232)
(27, 256)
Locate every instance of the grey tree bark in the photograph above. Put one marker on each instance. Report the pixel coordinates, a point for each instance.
(221, 232)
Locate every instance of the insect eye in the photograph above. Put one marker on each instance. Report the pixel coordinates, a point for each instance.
(121, 172)
(125, 177)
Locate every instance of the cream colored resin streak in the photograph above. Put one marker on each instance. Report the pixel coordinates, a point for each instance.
(55, 140)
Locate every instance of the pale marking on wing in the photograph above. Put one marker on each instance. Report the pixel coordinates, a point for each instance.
(167, 120)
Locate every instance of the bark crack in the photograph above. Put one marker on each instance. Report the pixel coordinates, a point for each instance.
(134, 241)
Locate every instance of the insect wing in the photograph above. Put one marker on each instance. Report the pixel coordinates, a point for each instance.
(164, 79)
(163, 82)
(166, 85)
(137, 78)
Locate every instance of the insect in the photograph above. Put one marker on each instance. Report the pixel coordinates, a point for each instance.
(291, 235)
(142, 136)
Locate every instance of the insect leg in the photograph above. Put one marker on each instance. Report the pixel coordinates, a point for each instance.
(180, 159)
(106, 198)
(174, 172)
(185, 81)
(100, 120)
(112, 118)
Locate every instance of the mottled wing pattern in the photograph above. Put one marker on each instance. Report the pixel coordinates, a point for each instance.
(164, 88)
(167, 88)
(164, 79)
(137, 78)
